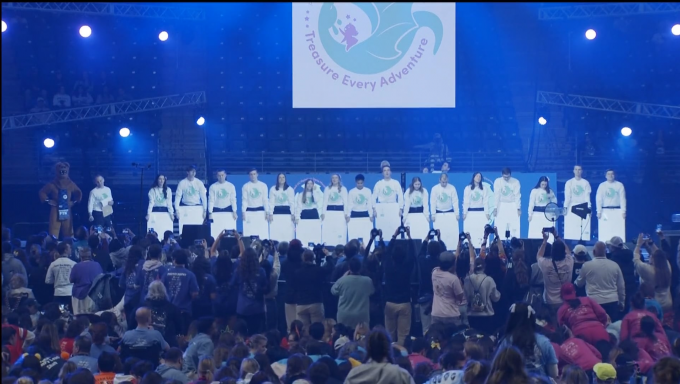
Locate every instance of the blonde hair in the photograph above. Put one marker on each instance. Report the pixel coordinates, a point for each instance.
(24, 380)
(205, 368)
(256, 340)
(328, 325)
(17, 281)
(157, 291)
(249, 365)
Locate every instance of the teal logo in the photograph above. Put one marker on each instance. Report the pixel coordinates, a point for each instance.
(191, 191)
(334, 196)
(443, 198)
(387, 191)
(254, 193)
(375, 36)
(104, 196)
(360, 200)
(610, 193)
(160, 199)
(543, 198)
(417, 200)
(222, 194)
(475, 196)
(281, 198)
(578, 190)
(506, 191)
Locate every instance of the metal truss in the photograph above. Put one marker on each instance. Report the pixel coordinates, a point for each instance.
(103, 110)
(584, 11)
(609, 105)
(114, 9)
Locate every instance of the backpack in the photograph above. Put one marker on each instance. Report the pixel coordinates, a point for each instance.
(477, 303)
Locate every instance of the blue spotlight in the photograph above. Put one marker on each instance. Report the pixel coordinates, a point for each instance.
(85, 31)
(675, 30)
(590, 34)
(48, 143)
(163, 36)
(124, 132)
(200, 121)
(542, 120)
(625, 131)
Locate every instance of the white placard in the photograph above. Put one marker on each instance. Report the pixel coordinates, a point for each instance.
(220, 222)
(387, 218)
(190, 215)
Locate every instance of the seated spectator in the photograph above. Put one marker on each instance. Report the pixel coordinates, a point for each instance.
(316, 332)
(143, 336)
(122, 96)
(40, 106)
(200, 345)
(418, 352)
(379, 367)
(105, 97)
(81, 354)
(604, 373)
(107, 365)
(171, 366)
(99, 333)
(61, 99)
(585, 317)
(82, 98)
(18, 290)
(84, 82)
(80, 376)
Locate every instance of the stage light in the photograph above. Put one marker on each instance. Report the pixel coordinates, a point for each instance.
(590, 34)
(675, 30)
(4, 26)
(542, 120)
(625, 131)
(125, 132)
(200, 121)
(163, 36)
(48, 143)
(85, 31)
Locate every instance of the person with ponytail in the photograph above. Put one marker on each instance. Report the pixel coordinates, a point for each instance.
(653, 342)
(508, 367)
(667, 371)
(585, 317)
(632, 354)
(630, 325)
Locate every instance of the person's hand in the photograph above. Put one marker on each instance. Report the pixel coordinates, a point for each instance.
(270, 218)
(347, 219)
(495, 211)
(396, 232)
(622, 306)
(147, 217)
(177, 215)
(408, 232)
(204, 215)
(111, 202)
(467, 235)
(172, 217)
(297, 221)
(486, 235)
(210, 216)
(434, 217)
(91, 218)
(439, 235)
(530, 216)
(323, 216)
(464, 216)
(457, 216)
(640, 240)
(661, 235)
(495, 231)
(52, 203)
(380, 233)
(546, 235)
(374, 235)
(401, 212)
(243, 216)
(428, 218)
(519, 213)
(609, 320)
(237, 235)
(222, 234)
(623, 215)
(375, 213)
(234, 215)
(292, 217)
(599, 215)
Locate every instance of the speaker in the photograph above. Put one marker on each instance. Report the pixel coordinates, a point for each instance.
(190, 233)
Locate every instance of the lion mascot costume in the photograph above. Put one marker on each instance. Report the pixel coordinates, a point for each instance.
(61, 193)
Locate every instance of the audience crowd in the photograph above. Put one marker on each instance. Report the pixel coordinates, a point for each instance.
(103, 308)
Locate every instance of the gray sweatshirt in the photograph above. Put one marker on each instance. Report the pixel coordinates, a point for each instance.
(11, 266)
(172, 373)
(487, 289)
(603, 280)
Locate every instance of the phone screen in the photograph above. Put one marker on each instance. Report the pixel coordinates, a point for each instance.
(198, 242)
(311, 245)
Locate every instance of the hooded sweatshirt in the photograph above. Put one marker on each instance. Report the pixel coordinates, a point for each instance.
(171, 373)
(201, 345)
(121, 378)
(119, 257)
(379, 373)
(10, 267)
(149, 271)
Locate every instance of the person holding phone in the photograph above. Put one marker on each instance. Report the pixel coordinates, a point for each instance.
(307, 214)
(281, 210)
(333, 212)
(398, 264)
(577, 191)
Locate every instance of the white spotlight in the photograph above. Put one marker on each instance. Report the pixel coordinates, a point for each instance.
(675, 30)
(200, 121)
(163, 36)
(85, 31)
(590, 34)
(625, 131)
(124, 132)
(4, 26)
(48, 143)
(542, 120)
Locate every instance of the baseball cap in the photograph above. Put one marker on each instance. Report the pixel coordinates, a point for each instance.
(446, 256)
(568, 292)
(604, 371)
(580, 249)
(479, 264)
(340, 342)
(616, 241)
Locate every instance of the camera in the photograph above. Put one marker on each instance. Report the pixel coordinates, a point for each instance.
(254, 237)
(230, 232)
(402, 229)
(432, 234)
(462, 236)
(488, 230)
(375, 232)
(645, 237)
(266, 243)
(549, 230)
(98, 229)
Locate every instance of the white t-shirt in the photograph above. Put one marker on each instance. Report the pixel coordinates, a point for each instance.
(417, 199)
(476, 198)
(507, 192)
(388, 191)
(444, 199)
(331, 196)
(611, 195)
(191, 193)
(576, 192)
(59, 274)
(281, 198)
(98, 197)
(158, 199)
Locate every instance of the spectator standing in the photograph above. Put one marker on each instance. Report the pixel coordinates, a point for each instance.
(82, 276)
(251, 282)
(59, 273)
(61, 99)
(164, 315)
(151, 270)
(10, 264)
(182, 288)
(481, 292)
(129, 281)
(604, 282)
(557, 268)
(658, 272)
(398, 264)
(289, 268)
(623, 256)
(309, 283)
(207, 288)
(581, 256)
(428, 259)
(448, 292)
(354, 291)
(99, 333)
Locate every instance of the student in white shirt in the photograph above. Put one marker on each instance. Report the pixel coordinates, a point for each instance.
(476, 209)
(222, 204)
(59, 273)
(254, 207)
(307, 216)
(539, 198)
(334, 220)
(189, 199)
(576, 191)
(508, 209)
(160, 214)
(611, 208)
(390, 202)
(444, 203)
(417, 208)
(99, 196)
(359, 209)
(281, 210)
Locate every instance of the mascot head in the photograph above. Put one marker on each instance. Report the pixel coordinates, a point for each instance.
(62, 170)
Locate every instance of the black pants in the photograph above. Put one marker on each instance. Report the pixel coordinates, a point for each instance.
(99, 219)
(255, 322)
(484, 324)
(272, 320)
(184, 321)
(612, 310)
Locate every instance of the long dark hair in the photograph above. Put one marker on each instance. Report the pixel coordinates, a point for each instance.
(508, 368)
(285, 183)
(223, 268)
(520, 328)
(542, 179)
(378, 347)
(520, 267)
(339, 181)
(304, 191)
(647, 326)
(200, 268)
(248, 265)
(135, 254)
(411, 188)
(165, 184)
(662, 273)
(481, 182)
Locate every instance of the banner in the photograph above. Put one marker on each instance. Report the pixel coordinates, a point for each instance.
(374, 55)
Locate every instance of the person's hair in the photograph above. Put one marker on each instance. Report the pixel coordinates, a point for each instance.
(180, 257)
(248, 365)
(143, 315)
(508, 367)
(128, 364)
(93, 241)
(520, 328)
(106, 362)
(434, 248)
(152, 378)
(141, 367)
(354, 265)
(285, 183)
(248, 265)
(547, 181)
(667, 371)
(206, 367)
(172, 355)
(520, 267)
(304, 191)
(506, 171)
(559, 250)
(190, 168)
(378, 346)
(74, 329)
(50, 330)
(66, 369)
(135, 254)
(481, 182)
(474, 350)
(239, 351)
(574, 303)
(61, 248)
(351, 250)
(155, 252)
(316, 330)
(476, 372)
(256, 341)
(200, 268)
(647, 325)
(283, 248)
(157, 291)
(84, 343)
(493, 265)
(164, 187)
(308, 256)
(296, 365)
(412, 188)
(98, 332)
(610, 170)
(573, 374)
(80, 376)
(223, 268)
(359, 177)
(662, 273)
(318, 373)
(638, 300)
(17, 281)
(339, 181)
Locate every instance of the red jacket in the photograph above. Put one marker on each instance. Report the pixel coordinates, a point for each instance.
(578, 352)
(588, 320)
(630, 325)
(17, 349)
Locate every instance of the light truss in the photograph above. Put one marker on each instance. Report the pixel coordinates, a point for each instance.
(584, 11)
(609, 105)
(103, 110)
(114, 9)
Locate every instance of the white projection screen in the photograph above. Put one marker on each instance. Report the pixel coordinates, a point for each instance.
(374, 55)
